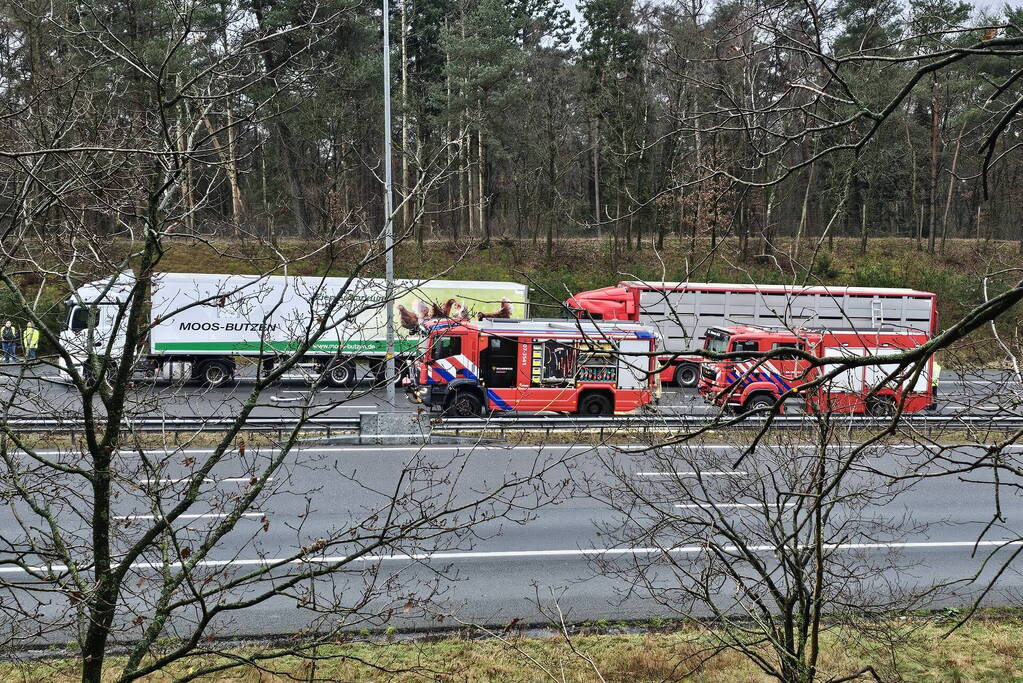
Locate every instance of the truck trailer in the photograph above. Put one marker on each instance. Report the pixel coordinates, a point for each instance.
(757, 383)
(200, 325)
(681, 312)
(469, 368)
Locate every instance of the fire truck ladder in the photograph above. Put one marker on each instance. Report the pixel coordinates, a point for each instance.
(876, 312)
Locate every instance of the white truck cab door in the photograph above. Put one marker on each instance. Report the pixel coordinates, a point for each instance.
(76, 335)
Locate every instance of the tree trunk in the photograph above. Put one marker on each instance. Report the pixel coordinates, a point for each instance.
(291, 163)
(406, 209)
(103, 603)
(915, 213)
(237, 204)
(465, 186)
(237, 207)
(262, 189)
(187, 199)
(951, 185)
(804, 212)
(935, 138)
(454, 194)
(230, 162)
(863, 225)
(595, 143)
(483, 222)
(551, 198)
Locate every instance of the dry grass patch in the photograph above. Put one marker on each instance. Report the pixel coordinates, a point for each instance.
(986, 649)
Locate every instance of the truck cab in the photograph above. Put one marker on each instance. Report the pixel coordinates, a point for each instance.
(472, 368)
(755, 383)
(94, 319)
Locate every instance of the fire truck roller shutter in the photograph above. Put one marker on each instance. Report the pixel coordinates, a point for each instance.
(849, 380)
(875, 374)
(632, 364)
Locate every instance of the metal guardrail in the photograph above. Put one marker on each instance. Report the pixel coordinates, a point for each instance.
(192, 424)
(544, 423)
(661, 422)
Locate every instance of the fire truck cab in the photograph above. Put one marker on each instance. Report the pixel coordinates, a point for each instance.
(755, 383)
(469, 368)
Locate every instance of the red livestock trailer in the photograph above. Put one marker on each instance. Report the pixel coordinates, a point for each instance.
(681, 312)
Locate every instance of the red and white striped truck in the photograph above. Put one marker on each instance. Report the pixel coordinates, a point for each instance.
(756, 383)
(469, 368)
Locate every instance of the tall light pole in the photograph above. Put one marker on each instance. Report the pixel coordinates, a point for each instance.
(389, 376)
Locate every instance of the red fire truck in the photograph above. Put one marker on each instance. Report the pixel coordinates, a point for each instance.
(681, 312)
(574, 366)
(753, 383)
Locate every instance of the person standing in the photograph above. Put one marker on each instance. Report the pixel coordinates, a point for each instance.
(30, 340)
(9, 341)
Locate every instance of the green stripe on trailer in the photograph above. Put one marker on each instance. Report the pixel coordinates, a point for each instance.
(375, 346)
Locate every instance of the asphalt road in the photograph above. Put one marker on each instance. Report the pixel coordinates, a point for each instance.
(41, 393)
(544, 538)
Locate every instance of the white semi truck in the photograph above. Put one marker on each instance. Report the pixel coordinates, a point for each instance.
(200, 325)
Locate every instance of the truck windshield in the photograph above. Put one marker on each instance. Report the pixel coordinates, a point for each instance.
(77, 318)
(445, 347)
(716, 342)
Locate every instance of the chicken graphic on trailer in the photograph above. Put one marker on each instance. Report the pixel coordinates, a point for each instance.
(469, 368)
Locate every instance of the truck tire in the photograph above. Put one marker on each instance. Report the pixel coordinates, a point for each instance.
(215, 373)
(465, 404)
(759, 402)
(595, 405)
(882, 406)
(107, 373)
(687, 375)
(340, 374)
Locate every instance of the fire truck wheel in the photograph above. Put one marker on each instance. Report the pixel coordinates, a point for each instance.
(687, 375)
(760, 402)
(465, 404)
(595, 405)
(882, 406)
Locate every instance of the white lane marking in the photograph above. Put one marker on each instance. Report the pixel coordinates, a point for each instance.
(723, 473)
(204, 515)
(711, 506)
(520, 554)
(292, 399)
(546, 447)
(320, 391)
(169, 480)
(1007, 382)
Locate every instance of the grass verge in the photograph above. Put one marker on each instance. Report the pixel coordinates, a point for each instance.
(988, 648)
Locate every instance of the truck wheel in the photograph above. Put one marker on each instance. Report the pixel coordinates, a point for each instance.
(882, 406)
(465, 404)
(107, 373)
(341, 374)
(595, 405)
(215, 373)
(759, 402)
(687, 375)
